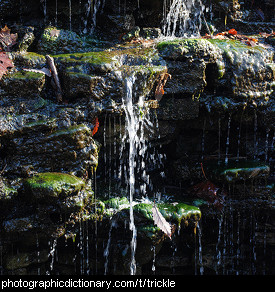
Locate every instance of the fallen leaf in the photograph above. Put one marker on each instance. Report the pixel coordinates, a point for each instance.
(211, 193)
(96, 126)
(159, 92)
(5, 63)
(255, 172)
(232, 31)
(160, 221)
(7, 40)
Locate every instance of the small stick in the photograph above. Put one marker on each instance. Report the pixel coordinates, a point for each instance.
(203, 171)
(52, 66)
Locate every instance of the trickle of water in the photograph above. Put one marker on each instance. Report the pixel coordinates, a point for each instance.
(255, 134)
(200, 250)
(44, 4)
(182, 18)
(266, 144)
(107, 249)
(70, 14)
(132, 129)
(56, 13)
(228, 139)
(52, 253)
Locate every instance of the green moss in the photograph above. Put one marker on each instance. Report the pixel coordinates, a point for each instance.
(54, 41)
(71, 131)
(40, 124)
(6, 192)
(53, 184)
(171, 212)
(237, 170)
(26, 75)
(116, 203)
(179, 212)
(96, 58)
(145, 210)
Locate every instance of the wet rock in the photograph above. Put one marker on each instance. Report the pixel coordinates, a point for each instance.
(69, 149)
(100, 74)
(45, 185)
(6, 193)
(66, 191)
(186, 62)
(236, 171)
(31, 84)
(230, 66)
(178, 109)
(58, 41)
(25, 259)
(150, 32)
(27, 39)
(248, 71)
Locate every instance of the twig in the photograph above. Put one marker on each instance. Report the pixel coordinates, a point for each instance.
(203, 172)
(50, 61)
(3, 170)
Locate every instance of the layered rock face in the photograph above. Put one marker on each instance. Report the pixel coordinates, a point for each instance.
(211, 100)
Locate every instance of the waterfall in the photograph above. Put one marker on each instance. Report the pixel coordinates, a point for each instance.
(132, 129)
(92, 7)
(136, 121)
(182, 18)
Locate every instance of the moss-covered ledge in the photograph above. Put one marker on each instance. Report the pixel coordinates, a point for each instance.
(53, 184)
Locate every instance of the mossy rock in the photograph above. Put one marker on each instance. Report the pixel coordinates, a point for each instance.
(172, 212)
(56, 41)
(53, 185)
(23, 84)
(235, 171)
(7, 193)
(180, 49)
(28, 59)
(243, 72)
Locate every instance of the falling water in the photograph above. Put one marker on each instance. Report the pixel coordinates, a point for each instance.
(132, 129)
(137, 120)
(44, 4)
(228, 139)
(183, 19)
(255, 134)
(70, 14)
(107, 249)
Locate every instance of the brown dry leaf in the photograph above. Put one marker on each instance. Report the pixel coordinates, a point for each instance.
(7, 40)
(5, 63)
(160, 221)
(160, 87)
(255, 172)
